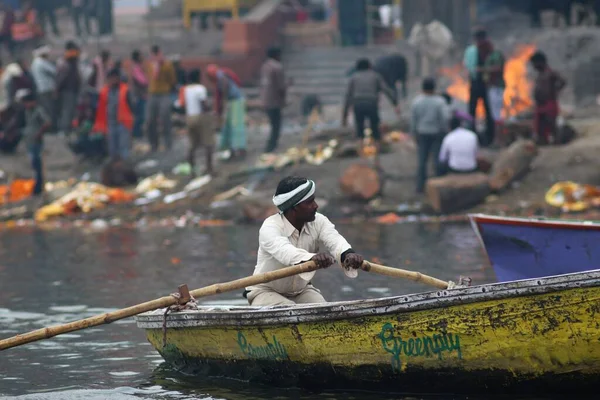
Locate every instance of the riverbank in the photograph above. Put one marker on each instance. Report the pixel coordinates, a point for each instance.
(255, 182)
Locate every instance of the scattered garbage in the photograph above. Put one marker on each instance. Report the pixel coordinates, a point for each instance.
(158, 181)
(99, 224)
(141, 148)
(224, 155)
(231, 193)
(182, 169)
(17, 190)
(143, 201)
(147, 164)
(318, 156)
(197, 183)
(84, 197)
(171, 198)
(573, 197)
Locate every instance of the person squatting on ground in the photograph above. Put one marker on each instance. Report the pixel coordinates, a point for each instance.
(298, 233)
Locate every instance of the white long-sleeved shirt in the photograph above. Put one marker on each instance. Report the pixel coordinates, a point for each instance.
(459, 150)
(281, 245)
(44, 75)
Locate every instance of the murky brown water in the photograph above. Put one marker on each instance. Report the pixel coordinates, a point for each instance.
(53, 277)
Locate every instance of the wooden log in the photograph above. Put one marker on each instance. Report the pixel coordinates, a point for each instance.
(483, 164)
(457, 192)
(361, 181)
(512, 164)
(515, 130)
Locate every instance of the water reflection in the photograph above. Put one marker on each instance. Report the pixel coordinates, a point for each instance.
(52, 277)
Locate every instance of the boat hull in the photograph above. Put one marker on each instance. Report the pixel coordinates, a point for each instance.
(521, 248)
(443, 341)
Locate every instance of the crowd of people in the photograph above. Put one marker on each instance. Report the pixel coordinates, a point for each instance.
(25, 23)
(485, 66)
(442, 131)
(102, 105)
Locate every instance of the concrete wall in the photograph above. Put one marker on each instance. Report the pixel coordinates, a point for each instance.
(246, 41)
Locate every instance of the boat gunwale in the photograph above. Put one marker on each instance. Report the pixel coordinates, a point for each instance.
(236, 316)
(537, 222)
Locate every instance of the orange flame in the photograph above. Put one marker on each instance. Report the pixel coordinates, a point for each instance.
(517, 95)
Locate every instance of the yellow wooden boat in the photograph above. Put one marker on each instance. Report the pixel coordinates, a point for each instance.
(542, 334)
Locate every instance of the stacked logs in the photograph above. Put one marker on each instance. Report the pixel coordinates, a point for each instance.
(454, 192)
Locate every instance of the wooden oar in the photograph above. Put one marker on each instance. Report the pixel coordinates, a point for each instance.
(402, 273)
(162, 302)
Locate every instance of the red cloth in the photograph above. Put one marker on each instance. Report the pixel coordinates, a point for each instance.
(218, 95)
(301, 16)
(544, 121)
(484, 49)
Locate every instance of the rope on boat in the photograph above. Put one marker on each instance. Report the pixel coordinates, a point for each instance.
(190, 304)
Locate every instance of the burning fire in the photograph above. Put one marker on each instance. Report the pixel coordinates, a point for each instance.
(517, 96)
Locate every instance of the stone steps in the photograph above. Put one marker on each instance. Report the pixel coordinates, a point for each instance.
(322, 71)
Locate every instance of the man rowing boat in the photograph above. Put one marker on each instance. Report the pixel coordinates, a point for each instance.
(293, 236)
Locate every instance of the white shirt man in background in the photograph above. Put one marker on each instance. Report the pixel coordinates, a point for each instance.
(458, 153)
(199, 123)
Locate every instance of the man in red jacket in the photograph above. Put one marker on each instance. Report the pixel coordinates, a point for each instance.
(114, 115)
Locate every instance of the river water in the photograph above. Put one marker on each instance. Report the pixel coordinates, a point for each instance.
(52, 277)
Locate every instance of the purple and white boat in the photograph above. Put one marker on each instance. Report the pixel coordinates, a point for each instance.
(524, 248)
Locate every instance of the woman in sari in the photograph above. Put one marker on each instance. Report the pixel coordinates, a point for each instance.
(230, 107)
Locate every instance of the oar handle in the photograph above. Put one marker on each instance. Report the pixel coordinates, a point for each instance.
(106, 318)
(405, 274)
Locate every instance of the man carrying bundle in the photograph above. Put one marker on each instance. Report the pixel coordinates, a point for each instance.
(293, 236)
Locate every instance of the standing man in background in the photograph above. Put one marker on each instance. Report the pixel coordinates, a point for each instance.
(548, 85)
(114, 117)
(273, 91)
(68, 86)
(199, 121)
(428, 124)
(474, 61)
(138, 83)
(44, 75)
(362, 94)
(162, 81)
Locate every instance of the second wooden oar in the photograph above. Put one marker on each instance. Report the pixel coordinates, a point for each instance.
(402, 273)
(162, 302)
